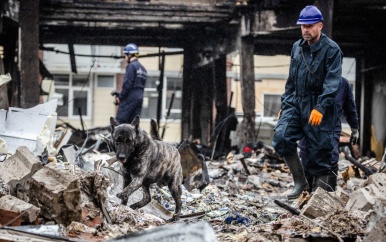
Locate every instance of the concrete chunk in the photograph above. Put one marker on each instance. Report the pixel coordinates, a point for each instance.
(11, 203)
(19, 168)
(374, 188)
(361, 199)
(57, 193)
(378, 180)
(4, 188)
(378, 233)
(200, 231)
(321, 203)
(342, 195)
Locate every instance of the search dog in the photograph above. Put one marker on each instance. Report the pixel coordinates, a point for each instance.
(146, 161)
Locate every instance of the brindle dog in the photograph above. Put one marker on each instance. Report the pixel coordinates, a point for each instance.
(146, 161)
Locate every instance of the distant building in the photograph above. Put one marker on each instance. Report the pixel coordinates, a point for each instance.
(88, 92)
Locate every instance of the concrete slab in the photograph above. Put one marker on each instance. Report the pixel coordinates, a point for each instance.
(57, 193)
(19, 168)
(11, 203)
(201, 231)
(378, 233)
(379, 180)
(321, 203)
(360, 199)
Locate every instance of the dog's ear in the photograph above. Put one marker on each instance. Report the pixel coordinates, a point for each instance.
(135, 122)
(154, 130)
(113, 123)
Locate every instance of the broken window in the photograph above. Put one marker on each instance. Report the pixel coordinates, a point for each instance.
(174, 87)
(76, 95)
(105, 81)
(150, 100)
(272, 103)
(149, 106)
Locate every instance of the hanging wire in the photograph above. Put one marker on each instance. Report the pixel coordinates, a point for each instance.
(79, 159)
(221, 124)
(264, 106)
(256, 98)
(174, 90)
(349, 70)
(80, 163)
(270, 66)
(51, 49)
(87, 78)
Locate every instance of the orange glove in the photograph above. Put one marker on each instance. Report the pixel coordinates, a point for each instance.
(278, 114)
(315, 117)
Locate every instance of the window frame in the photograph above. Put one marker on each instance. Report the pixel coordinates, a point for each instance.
(164, 105)
(71, 95)
(264, 105)
(96, 77)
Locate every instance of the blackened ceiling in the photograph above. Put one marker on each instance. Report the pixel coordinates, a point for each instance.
(116, 23)
(357, 24)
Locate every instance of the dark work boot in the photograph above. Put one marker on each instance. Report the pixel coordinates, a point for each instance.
(296, 168)
(327, 182)
(310, 181)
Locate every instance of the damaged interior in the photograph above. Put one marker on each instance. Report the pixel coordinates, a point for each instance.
(60, 183)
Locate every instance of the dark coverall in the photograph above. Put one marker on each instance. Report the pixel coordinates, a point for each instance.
(303, 93)
(345, 105)
(131, 96)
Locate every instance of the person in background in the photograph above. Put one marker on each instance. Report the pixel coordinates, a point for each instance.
(308, 103)
(345, 105)
(130, 99)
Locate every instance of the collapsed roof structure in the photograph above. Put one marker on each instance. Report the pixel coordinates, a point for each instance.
(207, 30)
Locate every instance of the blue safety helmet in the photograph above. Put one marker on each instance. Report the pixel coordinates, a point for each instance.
(310, 15)
(130, 49)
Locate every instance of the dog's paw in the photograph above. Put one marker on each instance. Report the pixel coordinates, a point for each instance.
(123, 197)
(99, 164)
(175, 217)
(133, 206)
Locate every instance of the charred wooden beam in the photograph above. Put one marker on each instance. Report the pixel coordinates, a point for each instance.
(247, 91)
(348, 156)
(114, 13)
(29, 53)
(72, 58)
(160, 88)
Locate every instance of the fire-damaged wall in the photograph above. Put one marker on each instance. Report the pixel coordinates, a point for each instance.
(371, 101)
(207, 31)
(378, 100)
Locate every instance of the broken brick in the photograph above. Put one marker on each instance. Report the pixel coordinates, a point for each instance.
(9, 218)
(57, 193)
(29, 211)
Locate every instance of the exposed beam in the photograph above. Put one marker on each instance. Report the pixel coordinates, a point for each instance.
(128, 13)
(29, 52)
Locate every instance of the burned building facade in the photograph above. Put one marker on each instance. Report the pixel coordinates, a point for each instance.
(206, 31)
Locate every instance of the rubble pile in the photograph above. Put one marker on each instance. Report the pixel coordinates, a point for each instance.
(69, 194)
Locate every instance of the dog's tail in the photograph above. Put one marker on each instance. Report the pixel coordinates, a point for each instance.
(154, 130)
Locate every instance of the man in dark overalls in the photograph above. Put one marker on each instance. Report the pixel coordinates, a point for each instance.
(131, 97)
(308, 103)
(345, 105)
